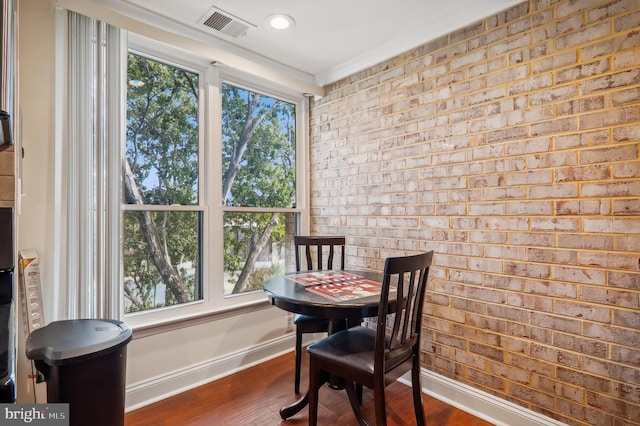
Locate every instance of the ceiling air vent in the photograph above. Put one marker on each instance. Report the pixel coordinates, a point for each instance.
(226, 23)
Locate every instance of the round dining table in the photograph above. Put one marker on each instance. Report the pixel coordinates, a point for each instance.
(310, 293)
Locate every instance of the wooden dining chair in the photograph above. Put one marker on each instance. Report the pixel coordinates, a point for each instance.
(372, 358)
(306, 323)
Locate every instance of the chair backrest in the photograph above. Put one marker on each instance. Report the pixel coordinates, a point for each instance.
(396, 341)
(306, 242)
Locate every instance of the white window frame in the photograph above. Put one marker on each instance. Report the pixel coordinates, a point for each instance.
(210, 187)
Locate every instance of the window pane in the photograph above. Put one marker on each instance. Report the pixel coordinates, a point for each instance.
(161, 259)
(254, 248)
(258, 149)
(162, 134)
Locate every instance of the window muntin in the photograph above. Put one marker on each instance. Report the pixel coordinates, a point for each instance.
(161, 238)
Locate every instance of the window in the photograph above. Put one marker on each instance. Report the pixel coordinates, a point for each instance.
(161, 238)
(211, 173)
(258, 179)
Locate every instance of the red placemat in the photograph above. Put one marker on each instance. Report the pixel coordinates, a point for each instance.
(348, 290)
(322, 277)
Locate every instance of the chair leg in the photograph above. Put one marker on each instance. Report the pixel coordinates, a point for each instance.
(379, 401)
(417, 393)
(317, 378)
(298, 360)
(354, 391)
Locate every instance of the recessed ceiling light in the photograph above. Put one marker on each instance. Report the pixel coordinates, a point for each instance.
(280, 21)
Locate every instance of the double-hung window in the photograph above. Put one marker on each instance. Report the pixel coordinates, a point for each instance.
(211, 183)
(163, 212)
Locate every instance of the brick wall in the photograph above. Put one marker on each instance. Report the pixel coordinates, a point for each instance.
(511, 148)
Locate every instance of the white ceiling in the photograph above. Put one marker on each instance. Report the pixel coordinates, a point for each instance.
(331, 38)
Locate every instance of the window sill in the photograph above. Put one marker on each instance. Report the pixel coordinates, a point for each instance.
(146, 330)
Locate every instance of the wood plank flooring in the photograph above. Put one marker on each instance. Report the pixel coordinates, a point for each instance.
(254, 397)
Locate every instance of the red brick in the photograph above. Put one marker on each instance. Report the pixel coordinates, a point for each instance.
(613, 406)
(625, 355)
(530, 208)
(617, 335)
(546, 288)
(540, 399)
(533, 365)
(581, 106)
(559, 60)
(565, 190)
(555, 355)
(568, 8)
(529, 146)
(626, 280)
(627, 22)
(608, 118)
(485, 379)
(625, 97)
(627, 319)
(609, 296)
(584, 380)
(513, 374)
(610, 260)
(560, 125)
(611, 9)
(486, 351)
(610, 81)
(583, 36)
(581, 71)
(626, 59)
(555, 322)
(613, 225)
(584, 311)
(582, 208)
(578, 275)
(555, 224)
(598, 137)
(544, 255)
(585, 415)
(588, 242)
(554, 94)
(526, 270)
(604, 48)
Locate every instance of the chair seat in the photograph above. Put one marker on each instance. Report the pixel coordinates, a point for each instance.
(303, 319)
(352, 347)
(310, 324)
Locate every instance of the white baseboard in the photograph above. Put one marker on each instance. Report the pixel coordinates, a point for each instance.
(467, 398)
(158, 388)
(481, 404)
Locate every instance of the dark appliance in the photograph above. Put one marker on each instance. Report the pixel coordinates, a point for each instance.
(7, 331)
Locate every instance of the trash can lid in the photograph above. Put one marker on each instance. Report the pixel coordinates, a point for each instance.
(63, 342)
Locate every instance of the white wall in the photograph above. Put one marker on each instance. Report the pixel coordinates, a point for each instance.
(35, 61)
(158, 364)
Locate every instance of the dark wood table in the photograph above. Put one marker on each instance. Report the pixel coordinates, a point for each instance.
(288, 293)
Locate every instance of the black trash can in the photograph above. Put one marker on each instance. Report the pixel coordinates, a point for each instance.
(84, 365)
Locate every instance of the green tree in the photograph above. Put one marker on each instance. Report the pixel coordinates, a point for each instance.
(161, 169)
(258, 158)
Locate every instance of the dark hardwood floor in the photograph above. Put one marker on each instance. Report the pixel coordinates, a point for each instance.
(255, 395)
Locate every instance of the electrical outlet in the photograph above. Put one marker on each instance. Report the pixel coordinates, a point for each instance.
(289, 326)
